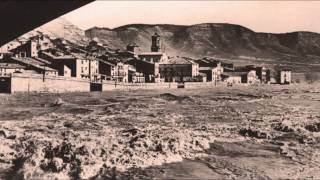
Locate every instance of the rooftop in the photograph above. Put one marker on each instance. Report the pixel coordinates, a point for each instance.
(42, 60)
(82, 55)
(152, 53)
(34, 63)
(177, 60)
(78, 55)
(106, 62)
(207, 62)
(232, 74)
(132, 45)
(112, 62)
(11, 66)
(58, 57)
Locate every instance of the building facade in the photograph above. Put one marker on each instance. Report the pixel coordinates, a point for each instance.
(66, 65)
(35, 66)
(87, 67)
(6, 69)
(284, 76)
(29, 49)
(153, 57)
(249, 77)
(178, 69)
(121, 72)
(212, 69)
(262, 74)
(133, 48)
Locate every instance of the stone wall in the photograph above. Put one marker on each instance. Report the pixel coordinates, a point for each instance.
(36, 83)
(198, 84)
(306, 77)
(110, 85)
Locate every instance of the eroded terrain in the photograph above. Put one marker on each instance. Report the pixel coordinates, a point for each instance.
(265, 132)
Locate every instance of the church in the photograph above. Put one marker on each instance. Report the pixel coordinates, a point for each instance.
(158, 67)
(157, 53)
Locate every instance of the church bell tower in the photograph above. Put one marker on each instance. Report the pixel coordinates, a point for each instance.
(156, 46)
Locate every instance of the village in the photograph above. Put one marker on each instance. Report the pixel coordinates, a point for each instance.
(44, 63)
(159, 90)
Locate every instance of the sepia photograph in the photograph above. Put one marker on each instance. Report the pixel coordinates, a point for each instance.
(164, 89)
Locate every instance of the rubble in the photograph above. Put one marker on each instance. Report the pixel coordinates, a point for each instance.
(254, 133)
(315, 127)
(172, 97)
(7, 134)
(136, 137)
(284, 126)
(58, 102)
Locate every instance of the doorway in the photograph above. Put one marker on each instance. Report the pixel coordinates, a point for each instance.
(5, 85)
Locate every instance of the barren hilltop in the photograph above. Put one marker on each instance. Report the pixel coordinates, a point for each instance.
(220, 40)
(60, 28)
(229, 42)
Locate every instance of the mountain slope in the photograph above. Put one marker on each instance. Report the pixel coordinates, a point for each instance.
(219, 40)
(60, 28)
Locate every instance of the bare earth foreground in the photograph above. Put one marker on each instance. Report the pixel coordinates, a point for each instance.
(263, 132)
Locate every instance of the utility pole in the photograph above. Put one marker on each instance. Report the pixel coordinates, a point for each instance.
(44, 72)
(215, 79)
(135, 63)
(29, 88)
(89, 66)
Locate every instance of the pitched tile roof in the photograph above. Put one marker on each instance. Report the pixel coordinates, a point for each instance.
(11, 66)
(34, 63)
(177, 60)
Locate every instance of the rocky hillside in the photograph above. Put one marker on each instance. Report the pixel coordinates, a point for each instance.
(228, 41)
(232, 43)
(63, 28)
(60, 28)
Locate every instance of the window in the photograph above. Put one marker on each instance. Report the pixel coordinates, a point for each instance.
(22, 54)
(81, 69)
(81, 61)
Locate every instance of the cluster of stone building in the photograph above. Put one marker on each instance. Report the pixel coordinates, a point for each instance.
(96, 62)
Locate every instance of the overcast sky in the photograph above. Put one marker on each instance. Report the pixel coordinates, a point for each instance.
(261, 16)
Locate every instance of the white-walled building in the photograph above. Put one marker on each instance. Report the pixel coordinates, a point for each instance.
(284, 76)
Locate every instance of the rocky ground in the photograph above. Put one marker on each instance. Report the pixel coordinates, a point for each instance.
(265, 132)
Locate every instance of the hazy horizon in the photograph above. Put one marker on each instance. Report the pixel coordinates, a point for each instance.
(259, 16)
